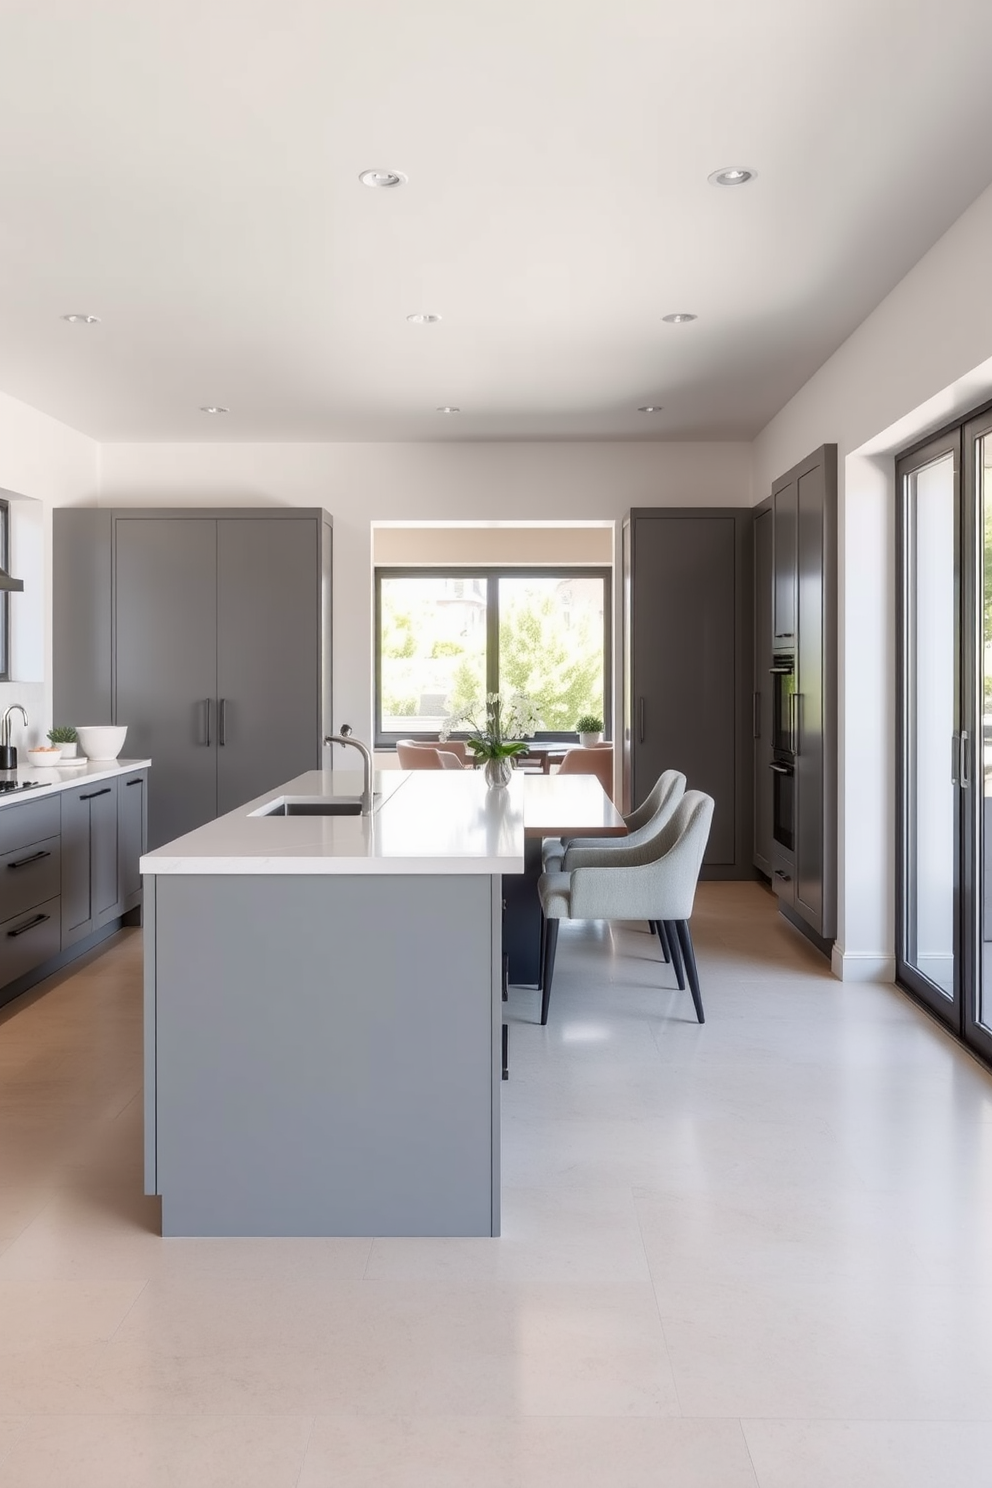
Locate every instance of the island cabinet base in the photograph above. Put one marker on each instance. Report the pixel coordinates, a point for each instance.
(323, 1053)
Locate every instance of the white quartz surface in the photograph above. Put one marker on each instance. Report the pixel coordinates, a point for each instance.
(63, 776)
(422, 822)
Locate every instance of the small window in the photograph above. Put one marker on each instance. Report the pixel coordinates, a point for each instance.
(4, 597)
(446, 637)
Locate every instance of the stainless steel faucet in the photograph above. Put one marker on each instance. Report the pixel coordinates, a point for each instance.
(345, 737)
(5, 724)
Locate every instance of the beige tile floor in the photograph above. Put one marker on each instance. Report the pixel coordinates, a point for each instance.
(754, 1254)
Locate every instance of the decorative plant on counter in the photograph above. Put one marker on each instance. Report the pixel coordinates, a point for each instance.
(497, 730)
(66, 738)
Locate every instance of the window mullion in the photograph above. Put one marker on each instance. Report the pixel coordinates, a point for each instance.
(492, 633)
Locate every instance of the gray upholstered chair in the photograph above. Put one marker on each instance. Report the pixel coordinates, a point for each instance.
(642, 824)
(653, 880)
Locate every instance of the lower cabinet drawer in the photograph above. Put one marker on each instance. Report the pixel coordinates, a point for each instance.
(26, 940)
(784, 878)
(29, 876)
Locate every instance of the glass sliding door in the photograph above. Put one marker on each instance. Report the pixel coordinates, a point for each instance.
(935, 752)
(977, 899)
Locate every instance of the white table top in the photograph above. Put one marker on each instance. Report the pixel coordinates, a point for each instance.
(63, 777)
(423, 822)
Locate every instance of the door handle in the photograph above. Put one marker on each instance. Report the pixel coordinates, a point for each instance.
(779, 769)
(955, 760)
(756, 715)
(136, 781)
(794, 722)
(222, 721)
(640, 720)
(93, 794)
(28, 925)
(34, 858)
(965, 760)
(207, 702)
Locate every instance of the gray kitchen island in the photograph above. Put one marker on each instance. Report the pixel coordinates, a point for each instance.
(323, 1010)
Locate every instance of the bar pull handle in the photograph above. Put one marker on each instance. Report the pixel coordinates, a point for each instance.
(794, 722)
(783, 876)
(965, 760)
(136, 781)
(955, 760)
(207, 703)
(640, 720)
(34, 858)
(222, 721)
(92, 795)
(756, 715)
(779, 769)
(28, 925)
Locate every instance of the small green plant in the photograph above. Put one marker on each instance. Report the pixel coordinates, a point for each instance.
(589, 724)
(62, 735)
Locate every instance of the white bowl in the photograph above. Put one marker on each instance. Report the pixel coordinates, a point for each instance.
(101, 741)
(44, 759)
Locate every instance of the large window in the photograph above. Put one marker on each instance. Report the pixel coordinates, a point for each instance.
(4, 597)
(446, 637)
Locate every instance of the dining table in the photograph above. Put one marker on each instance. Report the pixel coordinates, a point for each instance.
(554, 806)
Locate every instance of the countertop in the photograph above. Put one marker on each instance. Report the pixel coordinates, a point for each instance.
(422, 822)
(63, 777)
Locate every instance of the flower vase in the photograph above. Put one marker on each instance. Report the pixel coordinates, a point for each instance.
(498, 771)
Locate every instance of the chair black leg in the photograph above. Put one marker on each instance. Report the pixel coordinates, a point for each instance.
(671, 933)
(540, 954)
(548, 965)
(652, 927)
(685, 940)
(506, 1051)
(663, 938)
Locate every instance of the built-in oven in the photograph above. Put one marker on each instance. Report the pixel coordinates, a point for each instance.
(783, 761)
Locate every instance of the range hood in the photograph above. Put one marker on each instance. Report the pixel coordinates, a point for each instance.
(9, 585)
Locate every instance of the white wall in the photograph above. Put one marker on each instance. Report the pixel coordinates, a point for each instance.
(42, 464)
(919, 359)
(360, 484)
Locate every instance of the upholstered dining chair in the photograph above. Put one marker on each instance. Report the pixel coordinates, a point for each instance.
(642, 824)
(414, 755)
(598, 762)
(654, 880)
(457, 747)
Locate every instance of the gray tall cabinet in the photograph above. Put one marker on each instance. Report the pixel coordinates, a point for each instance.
(687, 665)
(207, 632)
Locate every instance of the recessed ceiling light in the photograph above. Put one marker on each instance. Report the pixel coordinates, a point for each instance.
(732, 175)
(382, 178)
(650, 408)
(447, 409)
(77, 319)
(679, 318)
(214, 408)
(423, 318)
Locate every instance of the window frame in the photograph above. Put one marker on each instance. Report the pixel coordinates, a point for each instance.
(491, 575)
(4, 595)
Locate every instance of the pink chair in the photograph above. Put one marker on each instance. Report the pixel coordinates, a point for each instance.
(457, 747)
(597, 761)
(413, 754)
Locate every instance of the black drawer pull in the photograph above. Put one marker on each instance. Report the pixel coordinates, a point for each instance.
(136, 781)
(93, 794)
(34, 858)
(783, 876)
(38, 920)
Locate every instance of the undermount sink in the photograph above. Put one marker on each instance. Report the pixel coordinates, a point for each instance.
(319, 806)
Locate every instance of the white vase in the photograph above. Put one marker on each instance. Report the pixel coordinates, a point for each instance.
(68, 751)
(588, 740)
(498, 771)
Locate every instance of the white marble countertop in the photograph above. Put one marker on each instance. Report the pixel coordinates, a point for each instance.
(63, 776)
(422, 822)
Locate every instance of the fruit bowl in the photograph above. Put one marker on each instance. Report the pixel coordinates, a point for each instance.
(44, 759)
(101, 741)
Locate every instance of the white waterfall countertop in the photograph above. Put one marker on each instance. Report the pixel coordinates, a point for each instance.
(422, 822)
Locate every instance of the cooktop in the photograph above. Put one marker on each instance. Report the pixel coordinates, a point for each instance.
(12, 785)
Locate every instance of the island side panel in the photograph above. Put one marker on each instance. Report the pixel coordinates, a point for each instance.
(325, 1054)
(149, 1033)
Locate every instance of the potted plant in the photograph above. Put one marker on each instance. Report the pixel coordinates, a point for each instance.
(496, 730)
(65, 738)
(590, 730)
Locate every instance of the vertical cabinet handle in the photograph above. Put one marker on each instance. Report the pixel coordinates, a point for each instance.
(640, 720)
(965, 760)
(756, 715)
(207, 702)
(222, 721)
(794, 702)
(955, 759)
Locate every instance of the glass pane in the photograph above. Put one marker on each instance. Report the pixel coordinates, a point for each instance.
(931, 659)
(985, 822)
(433, 650)
(551, 646)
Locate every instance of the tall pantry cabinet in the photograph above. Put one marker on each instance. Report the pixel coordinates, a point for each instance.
(207, 632)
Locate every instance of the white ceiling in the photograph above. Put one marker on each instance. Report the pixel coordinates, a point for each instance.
(187, 170)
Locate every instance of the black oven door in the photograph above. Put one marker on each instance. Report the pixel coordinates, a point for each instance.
(784, 804)
(783, 675)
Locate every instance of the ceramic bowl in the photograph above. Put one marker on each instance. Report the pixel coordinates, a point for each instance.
(43, 759)
(101, 742)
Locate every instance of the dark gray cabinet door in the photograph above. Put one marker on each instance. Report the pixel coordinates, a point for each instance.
(810, 702)
(762, 701)
(268, 654)
(103, 852)
(786, 529)
(76, 914)
(684, 682)
(130, 838)
(166, 659)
